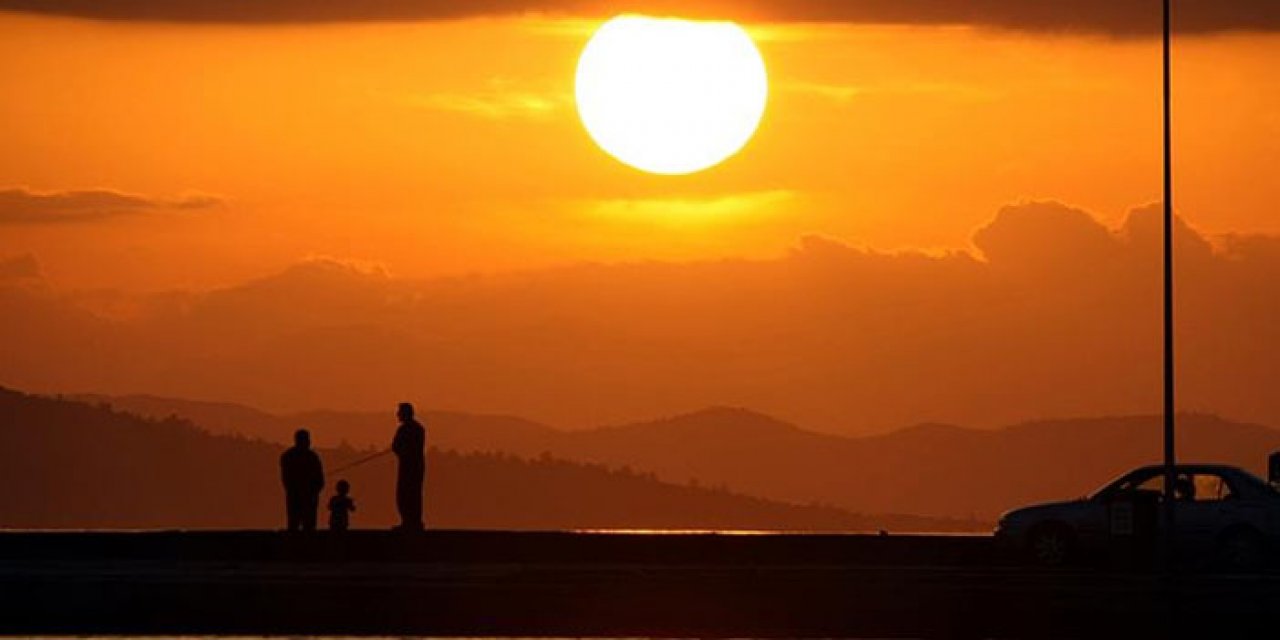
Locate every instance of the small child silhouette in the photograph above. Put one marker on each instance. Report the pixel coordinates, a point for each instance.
(340, 507)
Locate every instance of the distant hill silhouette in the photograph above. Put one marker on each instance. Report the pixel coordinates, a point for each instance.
(67, 464)
(932, 469)
(927, 469)
(451, 430)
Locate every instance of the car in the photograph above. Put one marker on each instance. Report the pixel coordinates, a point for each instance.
(1222, 513)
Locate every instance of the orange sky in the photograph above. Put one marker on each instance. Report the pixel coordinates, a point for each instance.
(265, 167)
(446, 147)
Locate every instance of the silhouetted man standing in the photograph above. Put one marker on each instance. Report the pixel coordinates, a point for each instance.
(409, 446)
(303, 478)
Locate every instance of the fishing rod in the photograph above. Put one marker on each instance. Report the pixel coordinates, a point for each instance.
(369, 458)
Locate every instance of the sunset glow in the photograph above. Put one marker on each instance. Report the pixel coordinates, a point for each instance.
(708, 318)
(205, 207)
(550, 288)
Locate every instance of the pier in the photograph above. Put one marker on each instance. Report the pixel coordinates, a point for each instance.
(470, 583)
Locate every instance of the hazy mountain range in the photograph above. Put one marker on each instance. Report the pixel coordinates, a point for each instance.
(930, 469)
(67, 464)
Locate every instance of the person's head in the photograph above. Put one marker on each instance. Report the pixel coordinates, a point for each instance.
(343, 487)
(302, 439)
(405, 412)
(1184, 488)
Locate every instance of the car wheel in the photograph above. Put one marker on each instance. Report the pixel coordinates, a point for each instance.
(1241, 549)
(1051, 545)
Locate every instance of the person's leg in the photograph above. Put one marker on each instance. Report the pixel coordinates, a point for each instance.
(291, 513)
(415, 503)
(422, 499)
(409, 499)
(402, 500)
(309, 512)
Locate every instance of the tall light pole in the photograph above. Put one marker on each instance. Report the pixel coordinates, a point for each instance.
(1169, 407)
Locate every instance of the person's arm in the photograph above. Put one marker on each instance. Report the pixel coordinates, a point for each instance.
(399, 442)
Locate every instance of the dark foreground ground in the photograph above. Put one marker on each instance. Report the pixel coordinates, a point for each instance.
(599, 584)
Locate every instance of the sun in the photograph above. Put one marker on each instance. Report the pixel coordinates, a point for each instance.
(671, 96)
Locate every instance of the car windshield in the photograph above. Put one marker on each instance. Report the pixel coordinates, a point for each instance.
(1146, 479)
(1152, 480)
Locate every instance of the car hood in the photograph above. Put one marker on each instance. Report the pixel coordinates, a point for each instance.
(1036, 511)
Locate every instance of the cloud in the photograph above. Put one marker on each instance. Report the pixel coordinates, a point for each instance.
(22, 206)
(491, 107)
(1115, 17)
(1037, 235)
(499, 100)
(20, 268)
(833, 92)
(684, 212)
(845, 93)
(1054, 313)
(195, 201)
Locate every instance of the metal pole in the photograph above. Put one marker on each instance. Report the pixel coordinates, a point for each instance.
(1169, 406)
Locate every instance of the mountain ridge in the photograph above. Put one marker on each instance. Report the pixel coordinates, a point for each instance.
(931, 468)
(69, 464)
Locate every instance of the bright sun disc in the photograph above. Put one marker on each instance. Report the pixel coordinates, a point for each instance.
(671, 96)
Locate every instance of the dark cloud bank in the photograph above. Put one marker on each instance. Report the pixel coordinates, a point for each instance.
(19, 268)
(1115, 17)
(1054, 314)
(22, 206)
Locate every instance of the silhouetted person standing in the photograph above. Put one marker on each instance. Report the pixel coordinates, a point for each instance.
(409, 445)
(303, 478)
(1273, 469)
